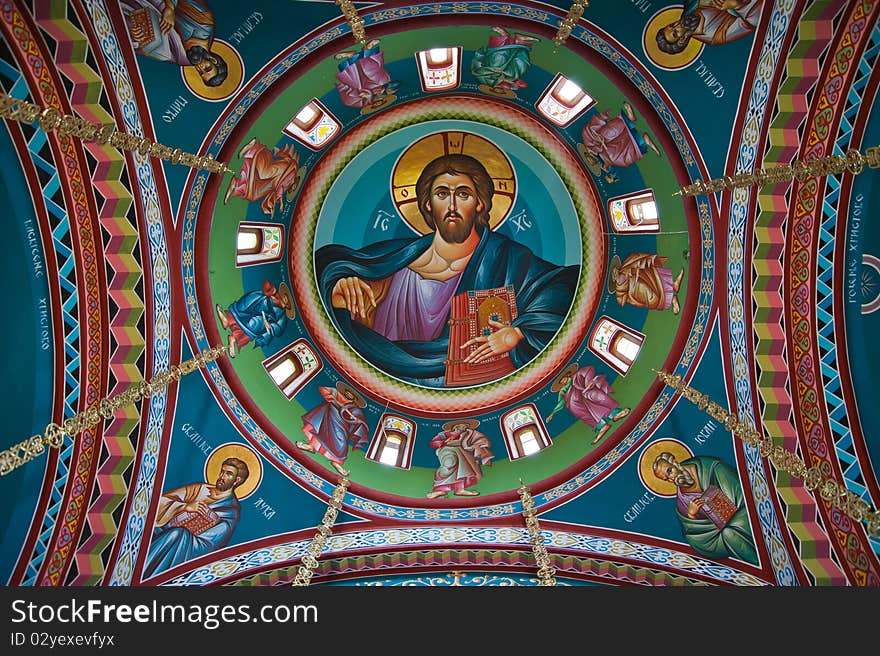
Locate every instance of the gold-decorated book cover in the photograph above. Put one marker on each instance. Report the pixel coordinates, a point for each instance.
(469, 318)
(195, 523)
(718, 506)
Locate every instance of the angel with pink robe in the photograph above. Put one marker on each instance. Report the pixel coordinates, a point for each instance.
(265, 175)
(362, 78)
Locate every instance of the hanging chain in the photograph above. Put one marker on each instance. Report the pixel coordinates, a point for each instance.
(50, 119)
(355, 22)
(567, 24)
(853, 161)
(310, 560)
(830, 490)
(53, 436)
(546, 572)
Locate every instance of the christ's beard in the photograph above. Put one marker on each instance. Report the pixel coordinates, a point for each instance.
(455, 233)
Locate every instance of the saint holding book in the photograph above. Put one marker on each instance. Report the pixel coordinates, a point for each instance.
(710, 506)
(198, 518)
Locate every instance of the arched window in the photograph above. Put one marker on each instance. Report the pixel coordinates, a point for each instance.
(616, 344)
(313, 125)
(292, 367)
(439, 68)
(524, 431)
(563, 101)
(258, 243)
(393, 441)
(634, 213)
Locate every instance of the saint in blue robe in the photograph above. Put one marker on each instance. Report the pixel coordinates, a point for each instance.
(544, 293)
(173, 545)
(334, 424)
(248, 313)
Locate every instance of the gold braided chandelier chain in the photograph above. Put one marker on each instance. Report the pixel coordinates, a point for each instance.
(800, 170)
(310, 560)
(354, 20)
(814, 478)
(546, 571)
(567, 24)
(53, 435)
(50, 119)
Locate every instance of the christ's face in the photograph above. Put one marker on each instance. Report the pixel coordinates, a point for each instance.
(454, 206)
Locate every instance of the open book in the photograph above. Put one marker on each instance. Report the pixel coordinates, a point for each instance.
(195, 523)
(468, 318)
(718, 506)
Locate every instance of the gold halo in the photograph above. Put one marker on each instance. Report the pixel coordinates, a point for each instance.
(612, 283)
(284, 292)
(570, 370)
(500, 92)
(470, 423)
(662, 59)
(346, 389)
(234, 74)
(646, 465)
(376, 105)
(297, 181)
(411, 162)
(242, 452)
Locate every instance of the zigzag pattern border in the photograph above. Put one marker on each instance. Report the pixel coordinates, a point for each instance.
(123, 570)
(861, 565)
(834, 400)
(803, 63)
(123, 238)
(85, 248)
(70, 326)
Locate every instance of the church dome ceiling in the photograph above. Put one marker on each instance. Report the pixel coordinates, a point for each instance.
(445, 261)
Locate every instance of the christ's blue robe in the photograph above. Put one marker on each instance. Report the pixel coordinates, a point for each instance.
(544, 293)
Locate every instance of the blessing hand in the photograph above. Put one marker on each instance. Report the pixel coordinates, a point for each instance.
(502, 340)
(352, 294)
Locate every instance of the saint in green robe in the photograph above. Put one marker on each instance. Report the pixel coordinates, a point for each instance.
(735, 538)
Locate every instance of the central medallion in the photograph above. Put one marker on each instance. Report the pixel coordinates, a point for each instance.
(450, 254)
